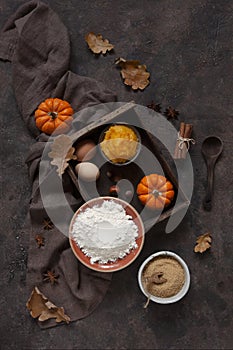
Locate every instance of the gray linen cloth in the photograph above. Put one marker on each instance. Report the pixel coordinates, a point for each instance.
(37, 43)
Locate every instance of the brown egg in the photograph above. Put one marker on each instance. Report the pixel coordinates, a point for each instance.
(85, 150)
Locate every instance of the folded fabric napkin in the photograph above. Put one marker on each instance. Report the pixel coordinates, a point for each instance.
(37, 44)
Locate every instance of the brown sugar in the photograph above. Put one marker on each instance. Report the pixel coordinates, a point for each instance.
(163, 277)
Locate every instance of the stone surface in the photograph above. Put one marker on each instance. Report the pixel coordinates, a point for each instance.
(187, 46)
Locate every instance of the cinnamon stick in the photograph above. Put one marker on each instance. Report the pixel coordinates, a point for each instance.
(187, 134)
(181, 148)
(177, 153)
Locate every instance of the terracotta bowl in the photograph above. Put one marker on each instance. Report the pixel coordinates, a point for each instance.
(119, 264)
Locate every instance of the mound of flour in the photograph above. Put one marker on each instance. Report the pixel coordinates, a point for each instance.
(105, 233)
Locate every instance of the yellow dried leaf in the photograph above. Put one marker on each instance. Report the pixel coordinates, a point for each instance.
(133, 73)
(97, 44)
(62, 152)
(203, 243)
(39, 306)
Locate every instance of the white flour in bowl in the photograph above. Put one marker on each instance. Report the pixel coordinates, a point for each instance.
(105, 232)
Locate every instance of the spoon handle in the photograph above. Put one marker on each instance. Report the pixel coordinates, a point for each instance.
(207, 203)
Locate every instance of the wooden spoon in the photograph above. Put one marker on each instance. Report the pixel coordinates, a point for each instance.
(212, 147)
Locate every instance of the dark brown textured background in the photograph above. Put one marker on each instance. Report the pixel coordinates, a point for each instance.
(187, 46)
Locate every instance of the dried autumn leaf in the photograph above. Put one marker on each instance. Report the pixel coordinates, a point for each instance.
(62, 152)
(40, 306)
(97, 44)
(203, 243)
(133, 73)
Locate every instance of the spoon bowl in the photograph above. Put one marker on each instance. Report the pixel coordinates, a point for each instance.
(212, 147)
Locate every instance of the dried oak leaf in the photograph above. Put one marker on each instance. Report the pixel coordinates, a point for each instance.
(203, 243)
(62, 152)
(97, 44)
(40, 306)
(133, 73)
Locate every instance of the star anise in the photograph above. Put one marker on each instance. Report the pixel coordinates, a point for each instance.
(51, 277)
(39, 240)
(48, 225)
(155, 106)
(171, 113)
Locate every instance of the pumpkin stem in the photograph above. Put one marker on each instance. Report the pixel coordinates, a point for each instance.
(53, 115)
(156, 193)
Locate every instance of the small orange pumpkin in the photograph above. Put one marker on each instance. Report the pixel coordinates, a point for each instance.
(155, 191)
(54, 116)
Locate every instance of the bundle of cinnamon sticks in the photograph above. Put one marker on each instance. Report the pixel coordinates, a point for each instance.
(183, 141)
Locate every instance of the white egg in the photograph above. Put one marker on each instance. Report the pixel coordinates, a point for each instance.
(87, 171)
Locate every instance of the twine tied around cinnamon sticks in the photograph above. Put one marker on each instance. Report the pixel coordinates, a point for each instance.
(183, 141)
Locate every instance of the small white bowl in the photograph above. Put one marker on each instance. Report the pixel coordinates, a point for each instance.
(173, 298)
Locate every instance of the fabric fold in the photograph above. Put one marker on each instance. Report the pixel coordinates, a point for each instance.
(39, 51)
